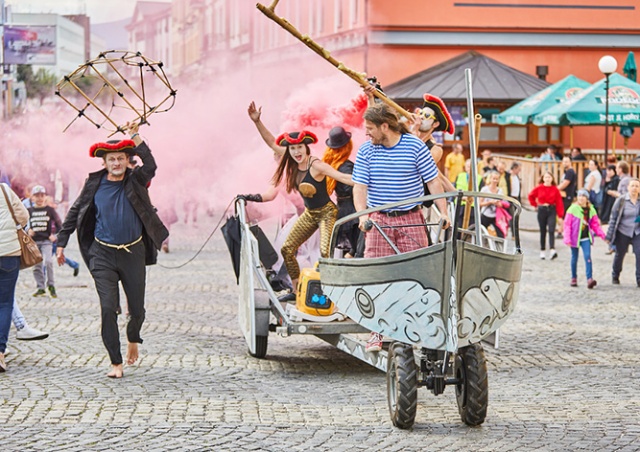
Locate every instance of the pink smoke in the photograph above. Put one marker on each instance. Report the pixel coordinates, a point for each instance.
(206, 147)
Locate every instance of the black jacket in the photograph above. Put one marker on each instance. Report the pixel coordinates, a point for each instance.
(82, 215)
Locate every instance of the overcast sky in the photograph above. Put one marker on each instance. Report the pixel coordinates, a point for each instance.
(99, 10)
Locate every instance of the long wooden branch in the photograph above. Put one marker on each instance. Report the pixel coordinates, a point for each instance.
(359, 77)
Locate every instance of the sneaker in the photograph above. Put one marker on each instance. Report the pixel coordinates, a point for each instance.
(374, 344)
(287, 297)
(3, 364)
(31, 334)
(52, 291)
(553, 254)
(76, 271)
(39, 293)
(559, 235)
(543, 256)
(615, 280)
(574, 282)
(591, 283)
(610, 251)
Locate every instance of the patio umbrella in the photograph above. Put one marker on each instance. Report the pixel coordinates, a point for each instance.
(523, 112)
(630, 71)
(588, 106)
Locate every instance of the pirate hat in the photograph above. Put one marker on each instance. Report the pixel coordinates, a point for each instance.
(440, 112)
(100, 149)
(302, 137)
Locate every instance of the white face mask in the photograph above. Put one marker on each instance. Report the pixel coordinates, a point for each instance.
(428, 118)
(426, 125)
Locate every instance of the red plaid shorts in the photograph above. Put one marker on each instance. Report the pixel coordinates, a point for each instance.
(408, 238)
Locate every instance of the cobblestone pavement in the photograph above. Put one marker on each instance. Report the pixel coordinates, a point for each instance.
(565, 376)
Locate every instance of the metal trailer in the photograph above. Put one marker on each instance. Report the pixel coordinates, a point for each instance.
(436, 304)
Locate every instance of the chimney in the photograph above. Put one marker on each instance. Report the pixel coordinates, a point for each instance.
(542, 71)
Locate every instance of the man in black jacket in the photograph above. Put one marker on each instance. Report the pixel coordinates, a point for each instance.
(119, 233)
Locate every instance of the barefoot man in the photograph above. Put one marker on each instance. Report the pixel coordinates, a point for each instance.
(119, 233)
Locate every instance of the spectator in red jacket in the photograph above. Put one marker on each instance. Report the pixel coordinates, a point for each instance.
(547, 200)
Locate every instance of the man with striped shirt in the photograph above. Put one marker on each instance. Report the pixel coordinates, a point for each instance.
(391, 167)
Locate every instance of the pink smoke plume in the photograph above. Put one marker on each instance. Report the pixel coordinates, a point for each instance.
(207, 148)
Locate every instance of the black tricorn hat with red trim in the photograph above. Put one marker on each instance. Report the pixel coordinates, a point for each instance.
(100, 149)
(302, 137)
(441, 113)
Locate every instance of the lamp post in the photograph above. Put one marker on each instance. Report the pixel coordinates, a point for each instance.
(607, 66)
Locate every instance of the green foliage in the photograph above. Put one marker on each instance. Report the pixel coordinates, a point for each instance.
(39, 85)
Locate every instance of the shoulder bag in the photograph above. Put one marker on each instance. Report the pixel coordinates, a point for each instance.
(29, 253)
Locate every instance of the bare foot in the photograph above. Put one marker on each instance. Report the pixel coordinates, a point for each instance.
(132, 353)
(116, 371)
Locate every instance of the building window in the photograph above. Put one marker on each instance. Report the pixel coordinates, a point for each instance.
(338, 14)
(542, 134)
(515, 133)
(354, 12)
(311, 6)
(320, 16)
(555, 134)
(489, 133)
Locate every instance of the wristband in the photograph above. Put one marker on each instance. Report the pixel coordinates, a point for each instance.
(135, 135)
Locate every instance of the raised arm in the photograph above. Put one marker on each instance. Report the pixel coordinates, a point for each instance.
(327, 170)
(267, 136)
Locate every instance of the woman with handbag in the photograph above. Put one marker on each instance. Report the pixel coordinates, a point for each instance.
(10, 251)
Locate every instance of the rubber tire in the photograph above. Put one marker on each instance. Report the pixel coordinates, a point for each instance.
(261, 347)
(472, 393)
(402, 385)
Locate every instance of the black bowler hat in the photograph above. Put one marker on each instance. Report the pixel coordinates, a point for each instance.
(338, 137)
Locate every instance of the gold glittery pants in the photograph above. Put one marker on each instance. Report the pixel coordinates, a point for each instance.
(310, 220)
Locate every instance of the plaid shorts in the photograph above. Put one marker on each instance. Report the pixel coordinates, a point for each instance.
(408, 238)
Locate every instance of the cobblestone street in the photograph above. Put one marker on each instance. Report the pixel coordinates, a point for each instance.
(564, 378)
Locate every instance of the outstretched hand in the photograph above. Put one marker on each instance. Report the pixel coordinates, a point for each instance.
(254, 113)
(131, 127)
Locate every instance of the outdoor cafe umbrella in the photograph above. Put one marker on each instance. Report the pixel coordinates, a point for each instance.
(630, 71)
(588, 106)
(523, 112)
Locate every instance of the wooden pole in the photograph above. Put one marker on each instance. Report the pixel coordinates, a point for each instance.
(360, 78)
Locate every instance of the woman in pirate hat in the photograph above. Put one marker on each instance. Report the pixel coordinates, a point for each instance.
(300, 171)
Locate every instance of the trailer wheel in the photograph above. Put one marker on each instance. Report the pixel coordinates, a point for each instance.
(261, 330)
(402, 385)
(472, 391)
(261, 347)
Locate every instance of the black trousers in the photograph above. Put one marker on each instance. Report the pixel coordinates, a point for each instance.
(622, 243)
(547, 222)
(108, 266)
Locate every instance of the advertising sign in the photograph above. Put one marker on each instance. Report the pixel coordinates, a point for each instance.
(29, 44)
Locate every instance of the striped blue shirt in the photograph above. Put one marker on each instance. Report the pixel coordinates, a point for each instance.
(394, 174)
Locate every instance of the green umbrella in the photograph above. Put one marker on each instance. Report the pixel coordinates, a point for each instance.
(630, 69)
(523, 112)
(588, 107)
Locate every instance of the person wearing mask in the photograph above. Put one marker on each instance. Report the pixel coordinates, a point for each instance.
(546, 198)
(9, 260)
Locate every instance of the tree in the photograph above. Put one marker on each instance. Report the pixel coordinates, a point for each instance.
(39, 85)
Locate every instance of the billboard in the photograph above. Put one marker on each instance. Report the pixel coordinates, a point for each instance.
(29, 44)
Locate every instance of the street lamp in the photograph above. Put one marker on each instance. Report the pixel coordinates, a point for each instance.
(607, 66)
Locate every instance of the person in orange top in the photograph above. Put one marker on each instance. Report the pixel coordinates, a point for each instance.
(546, 198)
